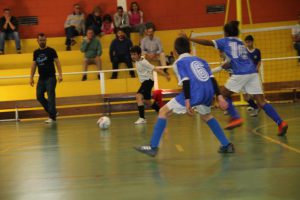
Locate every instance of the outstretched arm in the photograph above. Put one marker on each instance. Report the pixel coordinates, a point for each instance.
(198, 41)
(161, 72)
(202, 42)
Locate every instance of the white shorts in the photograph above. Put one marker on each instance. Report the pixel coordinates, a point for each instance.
(248, 83)
(179, 109)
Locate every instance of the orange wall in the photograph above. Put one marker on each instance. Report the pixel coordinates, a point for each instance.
(166, 14)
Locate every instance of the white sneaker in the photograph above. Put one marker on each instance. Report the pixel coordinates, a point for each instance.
(140, 121)
(249, 108)
(49, 121)
(254, 113)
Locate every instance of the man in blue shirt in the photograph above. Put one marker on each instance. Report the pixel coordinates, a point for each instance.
(245, 77)
(199, 87)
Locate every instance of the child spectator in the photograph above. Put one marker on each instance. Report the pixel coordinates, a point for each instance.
(107, 25)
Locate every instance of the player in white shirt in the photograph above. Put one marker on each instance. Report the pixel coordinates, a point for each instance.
(145, 73)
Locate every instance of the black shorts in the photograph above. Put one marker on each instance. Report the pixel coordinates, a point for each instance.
(146, 89)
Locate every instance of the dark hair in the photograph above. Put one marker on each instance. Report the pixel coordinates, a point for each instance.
(6, 9)
(107, 17)
(150, 25)
(90, 28)
(136, 49)
(119, 29)
(41, 35)
(182, 45)
(249, 38)
(119, 7)
(132, 3)
(232, 28)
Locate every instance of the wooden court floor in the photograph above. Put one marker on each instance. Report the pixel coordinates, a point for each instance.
(73, 159)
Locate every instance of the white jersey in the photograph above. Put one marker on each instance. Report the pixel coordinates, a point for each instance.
(144, 70)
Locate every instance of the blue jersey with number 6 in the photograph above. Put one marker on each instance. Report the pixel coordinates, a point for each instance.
(192, 68)
(236, 51)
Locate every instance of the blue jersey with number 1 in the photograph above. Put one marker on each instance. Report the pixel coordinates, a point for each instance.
(236, 51)
(192, 68)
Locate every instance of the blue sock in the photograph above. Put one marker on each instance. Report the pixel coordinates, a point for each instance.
(158, 130)
(271, 112)
(231, 109)
(217, 130)
(252, 104)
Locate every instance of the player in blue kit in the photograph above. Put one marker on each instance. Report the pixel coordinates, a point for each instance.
(255, 56)
(245, 77)
(199, 88)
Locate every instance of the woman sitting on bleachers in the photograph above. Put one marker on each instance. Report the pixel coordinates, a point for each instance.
(136, 19)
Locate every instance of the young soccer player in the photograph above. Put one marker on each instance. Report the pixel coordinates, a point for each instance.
(255, 56)
(145, 73)
(253, 108)
(199, 87)
(245, 76)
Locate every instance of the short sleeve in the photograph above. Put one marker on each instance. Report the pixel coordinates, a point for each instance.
(34, 56)
(206, 65)
(54, 54)
(182, 72)
(220, 44)
(258, 55)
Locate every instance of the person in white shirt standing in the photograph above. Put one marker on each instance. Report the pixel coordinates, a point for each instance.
(145, 73)
(296, 37)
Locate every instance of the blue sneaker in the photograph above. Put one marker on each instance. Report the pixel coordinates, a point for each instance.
(148, 150)
(227, 149)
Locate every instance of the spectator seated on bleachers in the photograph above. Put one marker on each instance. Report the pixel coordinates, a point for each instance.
(121, 20)
(120, 52)
(136, 19)
(9, 30)
(94, 21)
(152, 47)
(92, 49)
(74, 26)
(107, 25)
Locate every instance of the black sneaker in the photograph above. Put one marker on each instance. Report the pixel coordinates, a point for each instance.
(98, 76)
(68, 48)
(84, 78)
(227, 149)
(148, 150)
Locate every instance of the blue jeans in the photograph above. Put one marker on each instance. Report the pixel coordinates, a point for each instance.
(14, 35)
(47, 85)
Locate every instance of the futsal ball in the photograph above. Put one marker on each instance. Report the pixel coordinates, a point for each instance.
(103, 122)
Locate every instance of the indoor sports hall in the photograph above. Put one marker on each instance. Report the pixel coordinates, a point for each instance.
(73, 158)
